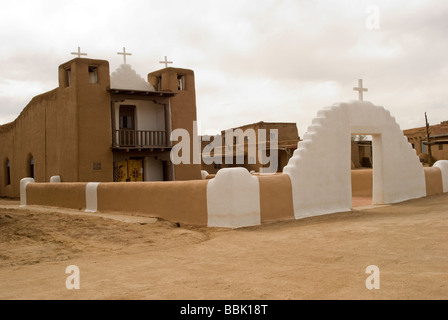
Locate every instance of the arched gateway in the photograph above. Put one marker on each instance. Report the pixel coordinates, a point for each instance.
(320, 169)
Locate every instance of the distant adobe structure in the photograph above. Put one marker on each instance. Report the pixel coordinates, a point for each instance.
(439, 138)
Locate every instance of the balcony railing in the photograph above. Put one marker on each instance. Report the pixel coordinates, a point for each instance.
(124, 138)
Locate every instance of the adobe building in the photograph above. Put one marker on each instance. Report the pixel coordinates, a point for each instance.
(287, 136)
(102, 127)
(439, 141)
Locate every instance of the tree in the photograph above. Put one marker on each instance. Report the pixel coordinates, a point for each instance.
(428, 142)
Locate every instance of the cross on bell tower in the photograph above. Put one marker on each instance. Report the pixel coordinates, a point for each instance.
(79, 53)
(166, 62)
(360, 89)
(124, 54)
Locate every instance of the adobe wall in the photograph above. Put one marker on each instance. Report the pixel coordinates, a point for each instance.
(433, 180)
(362, 182)
(65, 195)
(62, 130)
(37, 133)
(231, 199)
(275, 198)
(180, 201)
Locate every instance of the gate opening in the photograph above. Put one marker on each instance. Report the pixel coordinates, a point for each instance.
(361, 170)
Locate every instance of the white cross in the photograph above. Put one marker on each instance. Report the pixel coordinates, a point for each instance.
(124, 54)
(360, 89)
(166, 62)
(79, 53)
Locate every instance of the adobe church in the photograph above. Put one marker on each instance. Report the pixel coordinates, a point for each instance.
(101, 127)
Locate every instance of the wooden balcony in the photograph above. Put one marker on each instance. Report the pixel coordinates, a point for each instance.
(139, 139)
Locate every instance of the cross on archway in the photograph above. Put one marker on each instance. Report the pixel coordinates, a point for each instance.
(166, 62)
(79, 53)
(360, 89)
(124, 54)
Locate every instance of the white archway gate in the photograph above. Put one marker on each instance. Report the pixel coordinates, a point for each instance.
(320, 169)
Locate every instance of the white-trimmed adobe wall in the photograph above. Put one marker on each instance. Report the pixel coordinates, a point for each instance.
(320, 167)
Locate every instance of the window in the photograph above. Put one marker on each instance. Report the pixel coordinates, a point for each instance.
(159, 83)
(424, 147)
(180, 82)
(93, 74)
(31, 166)
(440, 146)
(69, 77)
(127, 117)
(8, 172)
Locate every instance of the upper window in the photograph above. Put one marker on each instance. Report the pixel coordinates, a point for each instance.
(93, 74)
(159, 83)
(8, 172)
(69, 77)
(180, 82)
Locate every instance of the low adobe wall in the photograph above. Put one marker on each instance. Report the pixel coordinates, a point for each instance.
(233, 198)
(65, 195)
(275, 198)
(180, 201)
(433, 179)
(362, 182)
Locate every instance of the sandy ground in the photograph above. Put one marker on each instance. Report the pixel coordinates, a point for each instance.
(139, 258)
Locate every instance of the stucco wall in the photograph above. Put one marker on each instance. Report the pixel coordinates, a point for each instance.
(65, 195)
(64, 130)
(233, 198)
(180, 201)
(433, 179)
(275, 198)
(321, 163)
(362, 182)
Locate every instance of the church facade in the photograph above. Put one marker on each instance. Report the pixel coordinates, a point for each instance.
(97, 126)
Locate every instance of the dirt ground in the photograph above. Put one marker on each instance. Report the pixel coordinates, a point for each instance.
(322, 257)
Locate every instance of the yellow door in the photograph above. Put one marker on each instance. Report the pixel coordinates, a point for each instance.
(135, 170)
(123, 171)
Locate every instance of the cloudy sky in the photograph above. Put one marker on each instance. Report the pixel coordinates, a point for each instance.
(253, 60)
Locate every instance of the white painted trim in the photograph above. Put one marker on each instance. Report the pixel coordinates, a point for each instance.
(204, 174)
(443, 166)
(233, 199)
(23, 184)
(55, 179)
(91, 197)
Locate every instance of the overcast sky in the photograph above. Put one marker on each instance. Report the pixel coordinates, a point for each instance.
(253, 60)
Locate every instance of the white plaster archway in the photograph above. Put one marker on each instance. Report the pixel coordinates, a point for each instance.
(320, 168)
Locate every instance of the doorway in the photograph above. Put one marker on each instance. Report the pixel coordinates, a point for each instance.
(361, 170)
(127, 125)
